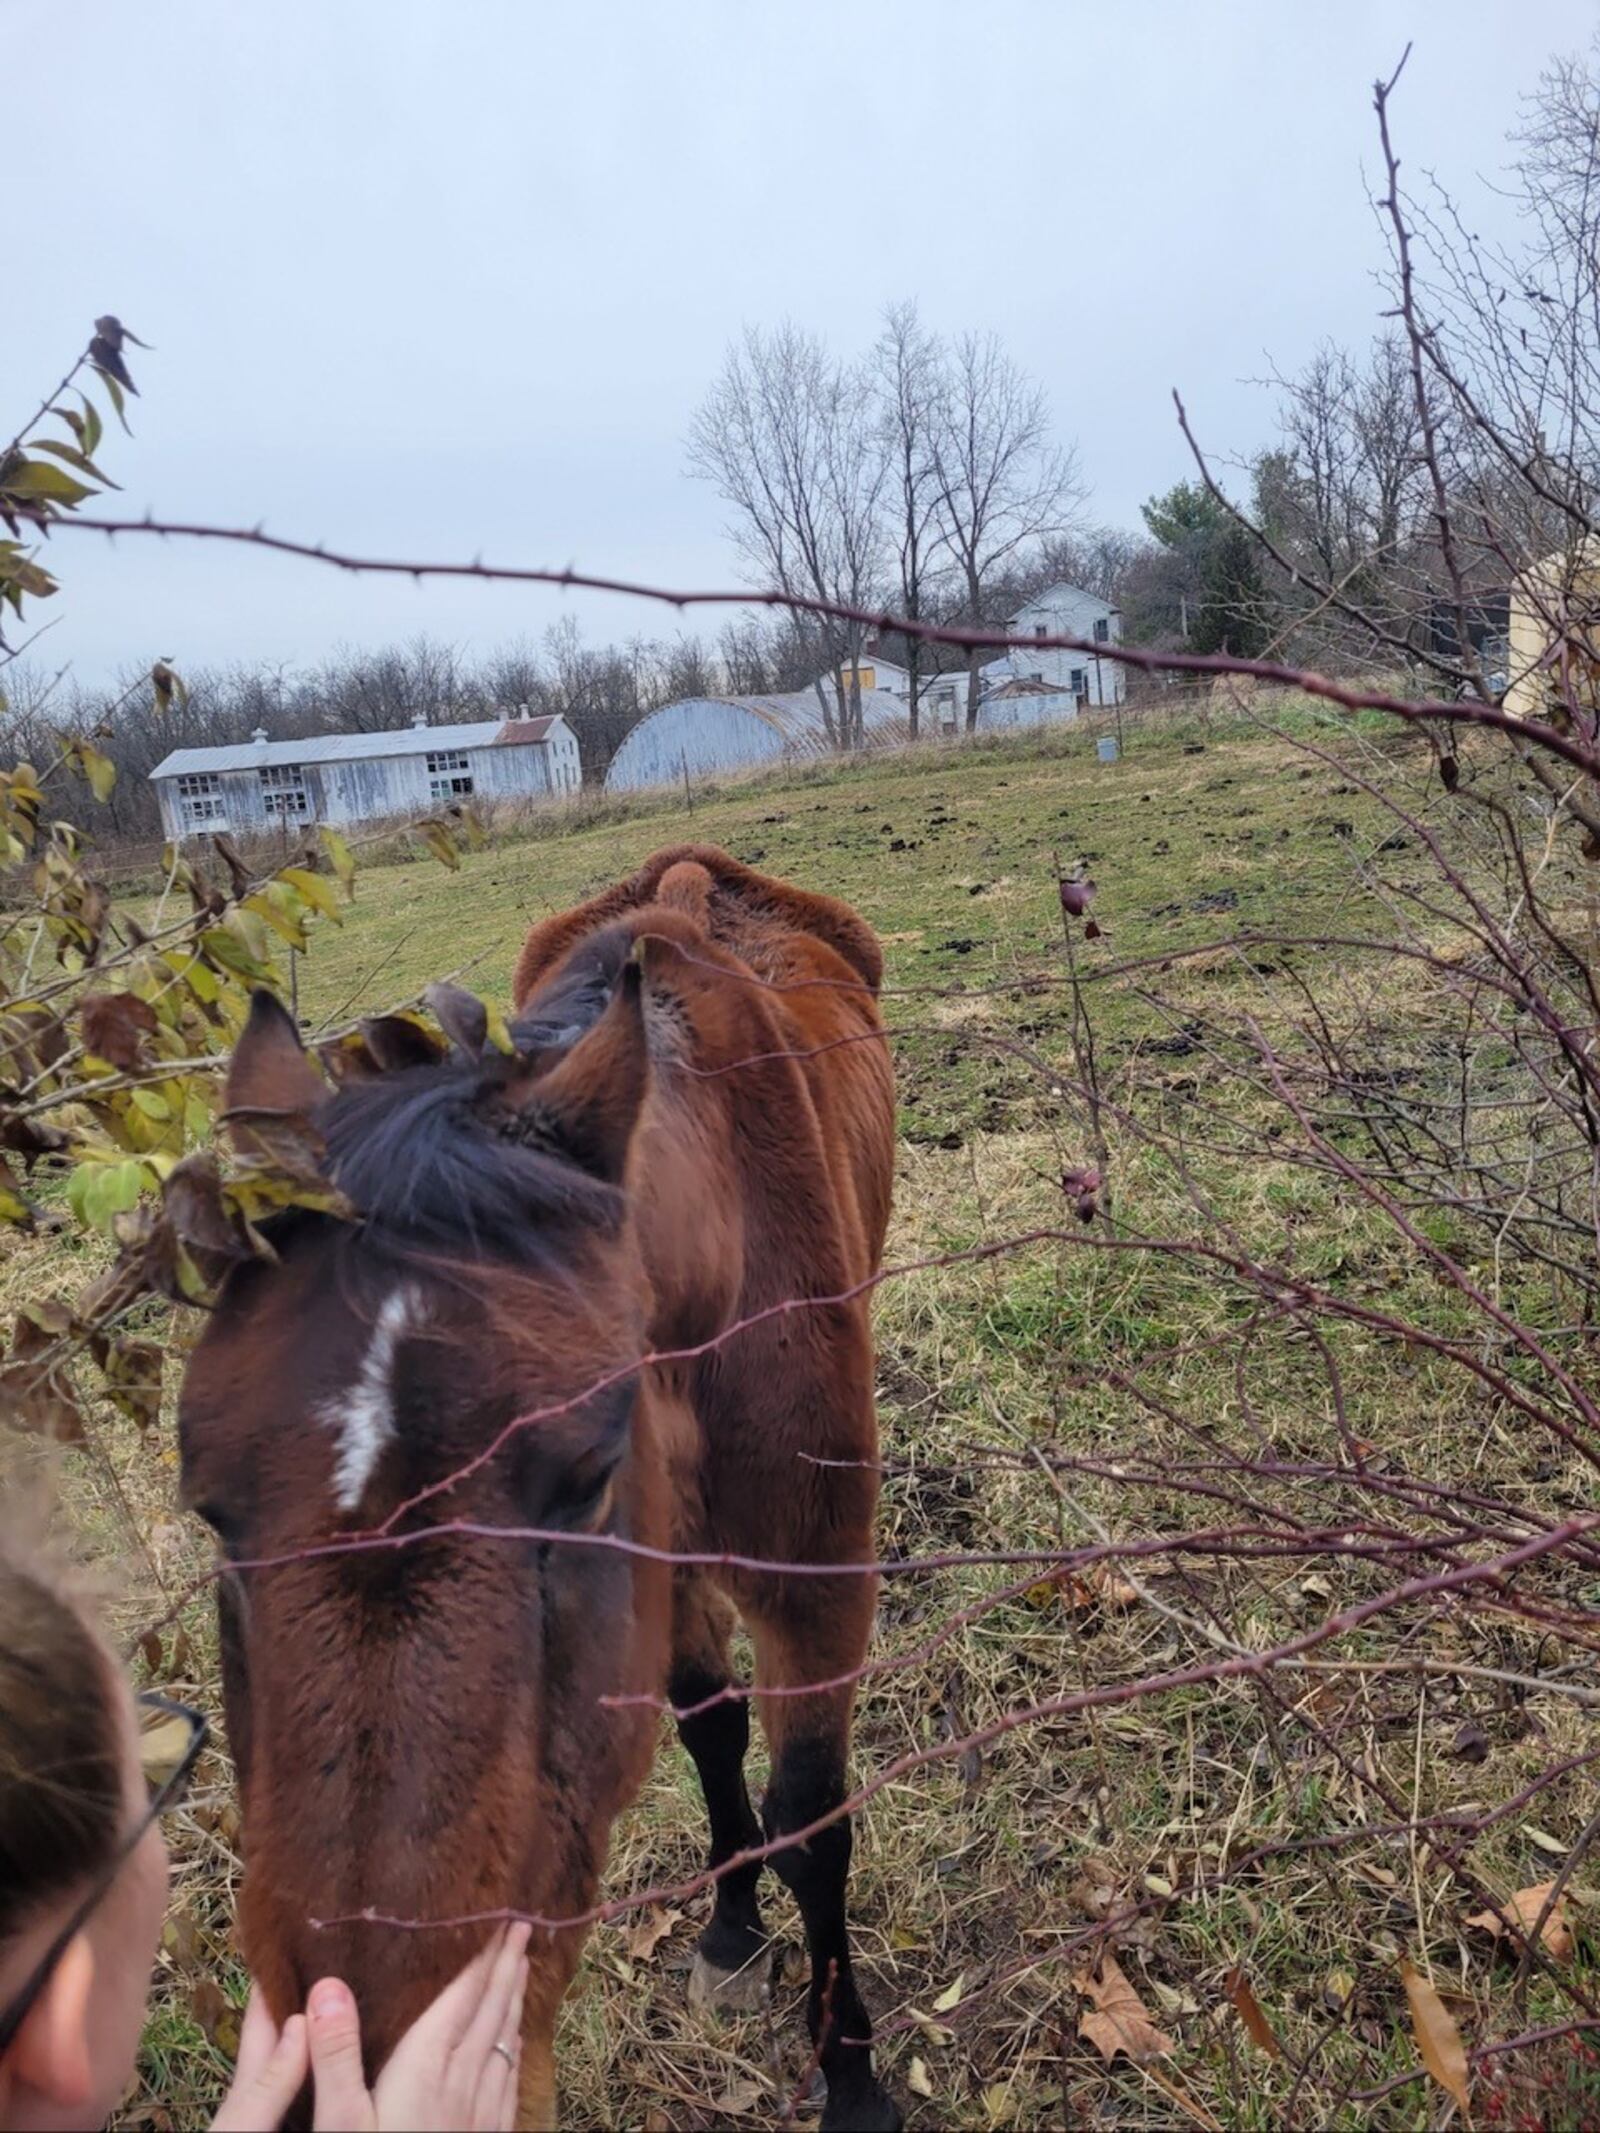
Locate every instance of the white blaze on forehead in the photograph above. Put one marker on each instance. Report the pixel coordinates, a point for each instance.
(362, 1419)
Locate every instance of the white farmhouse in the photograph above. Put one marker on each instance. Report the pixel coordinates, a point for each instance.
(364, 777)
(1065, 611)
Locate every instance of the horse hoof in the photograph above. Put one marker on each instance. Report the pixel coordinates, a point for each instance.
(871, 2110)
(729, 1992)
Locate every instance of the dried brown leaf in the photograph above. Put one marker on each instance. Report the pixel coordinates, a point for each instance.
(1438, 2039)
(1248, 2008)
(1519, 1915)
(648, 1933)
(1118, 2022)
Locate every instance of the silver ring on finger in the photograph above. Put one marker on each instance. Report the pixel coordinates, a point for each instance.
(506, 2053)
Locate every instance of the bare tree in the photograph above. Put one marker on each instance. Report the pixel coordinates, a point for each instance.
(1001, 484)
(786, 437)
(908, 375)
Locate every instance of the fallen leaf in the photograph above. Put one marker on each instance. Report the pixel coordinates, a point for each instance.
(180, 1938)
(740, 2098)
(1545, 1842)
(1338, 1989)
(651, 1930)
(1471, 1743)
(1119, 2022)
(162, 1747)
(1248, 2008)
(1095, 1889)
(216, 2015)
(917, 2080)
(1518, 1917)
(935, 2032)
(951, 1995)
(1438, 2039)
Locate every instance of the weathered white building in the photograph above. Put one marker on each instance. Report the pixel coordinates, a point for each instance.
(701, 735)
(1088, 678)
(364, 777)
(1012, 704)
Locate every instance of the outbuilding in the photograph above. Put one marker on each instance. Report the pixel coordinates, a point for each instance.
(364, 777)
(701, 735)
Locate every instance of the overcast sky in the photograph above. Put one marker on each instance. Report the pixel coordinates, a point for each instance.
(447, 277)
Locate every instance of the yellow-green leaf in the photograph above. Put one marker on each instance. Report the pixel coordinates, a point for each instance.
(74, 456)
(498, 1034)
(440, 842)
(36, 481)
(317, 890)
(99, 769)
(339, 858)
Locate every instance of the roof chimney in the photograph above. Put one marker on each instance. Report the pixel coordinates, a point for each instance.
(259, 736)
(522, 710)
(419, 722)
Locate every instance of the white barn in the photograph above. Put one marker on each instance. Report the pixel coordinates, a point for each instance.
(700, 735)
(363, 777)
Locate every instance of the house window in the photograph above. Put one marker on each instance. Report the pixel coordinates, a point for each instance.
(944, 703)
(283, 793)
(1102, 630)
(449, 775)
(1040, 630)
(1079, 683)
(200, 801)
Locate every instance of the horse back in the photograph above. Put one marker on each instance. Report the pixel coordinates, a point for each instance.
(782, 1096)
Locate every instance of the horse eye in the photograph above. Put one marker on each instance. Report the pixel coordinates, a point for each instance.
(582, 1503)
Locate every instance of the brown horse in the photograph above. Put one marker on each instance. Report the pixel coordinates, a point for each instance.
(697, 1125)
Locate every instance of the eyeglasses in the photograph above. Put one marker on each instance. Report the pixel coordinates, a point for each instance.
(167, 1783)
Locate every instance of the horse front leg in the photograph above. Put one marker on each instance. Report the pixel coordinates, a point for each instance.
(731, 1962)
(816, 1631)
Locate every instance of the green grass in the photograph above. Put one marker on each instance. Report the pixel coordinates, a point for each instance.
(1203, 831)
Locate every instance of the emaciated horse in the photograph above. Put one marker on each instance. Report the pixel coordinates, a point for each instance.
(697, 1125)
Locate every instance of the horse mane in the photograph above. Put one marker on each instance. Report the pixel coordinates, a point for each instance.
(432, 1156)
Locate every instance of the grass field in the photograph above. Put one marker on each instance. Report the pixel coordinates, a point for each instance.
(972, 1870)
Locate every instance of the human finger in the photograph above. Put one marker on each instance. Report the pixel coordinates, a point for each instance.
(271, 2069)
(495, 2106)
(497, 2018)
(342, 2102)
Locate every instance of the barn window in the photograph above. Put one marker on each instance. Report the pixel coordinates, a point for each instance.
(1102, 630)
(449, 775)
(283, 792)
(200, 800)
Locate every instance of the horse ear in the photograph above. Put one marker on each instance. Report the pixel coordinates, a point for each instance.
(271, 1071)
(395, 1041)
(588, 1103)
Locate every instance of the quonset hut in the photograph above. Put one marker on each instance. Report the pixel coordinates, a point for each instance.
(701, 735)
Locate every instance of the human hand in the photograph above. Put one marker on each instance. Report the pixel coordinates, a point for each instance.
(455, 2069)
(271, 2065)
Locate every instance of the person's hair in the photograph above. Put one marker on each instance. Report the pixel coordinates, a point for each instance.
(61, 1766)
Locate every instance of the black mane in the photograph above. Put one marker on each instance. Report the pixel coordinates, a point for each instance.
(437, 1163)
